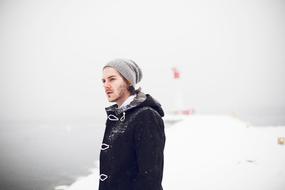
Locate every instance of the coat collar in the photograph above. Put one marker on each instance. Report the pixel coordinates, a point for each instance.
(139, 98)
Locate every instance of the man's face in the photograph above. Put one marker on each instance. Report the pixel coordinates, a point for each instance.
(115, 86)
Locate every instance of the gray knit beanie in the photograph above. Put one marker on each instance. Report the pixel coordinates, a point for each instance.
(127, 68)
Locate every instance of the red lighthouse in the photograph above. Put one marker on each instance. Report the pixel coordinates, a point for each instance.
(176, 73)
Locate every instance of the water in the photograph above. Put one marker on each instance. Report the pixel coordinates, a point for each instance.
(42, 155)
(263, 120)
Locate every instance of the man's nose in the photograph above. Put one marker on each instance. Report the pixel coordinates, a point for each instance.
(106, 84)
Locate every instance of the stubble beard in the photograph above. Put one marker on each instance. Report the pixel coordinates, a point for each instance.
(122, 90)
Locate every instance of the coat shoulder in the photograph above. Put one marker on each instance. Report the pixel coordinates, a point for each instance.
(147, 112)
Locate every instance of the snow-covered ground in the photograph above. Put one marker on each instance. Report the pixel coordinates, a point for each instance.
(216, 152)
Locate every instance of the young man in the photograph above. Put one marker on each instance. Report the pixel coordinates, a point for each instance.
(131, 156)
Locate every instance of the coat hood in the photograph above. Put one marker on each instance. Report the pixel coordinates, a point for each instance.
(141, 100)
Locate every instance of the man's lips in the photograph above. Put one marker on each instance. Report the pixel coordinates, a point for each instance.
(108, 92)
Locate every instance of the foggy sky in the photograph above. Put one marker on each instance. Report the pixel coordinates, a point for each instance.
(231, 54)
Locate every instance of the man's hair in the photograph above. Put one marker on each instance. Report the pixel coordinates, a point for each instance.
(131, 88)
(134, 91)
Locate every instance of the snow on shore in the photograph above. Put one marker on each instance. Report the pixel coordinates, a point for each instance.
(221, 152)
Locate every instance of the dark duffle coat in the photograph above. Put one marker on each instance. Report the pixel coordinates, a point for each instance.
(131, 156)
